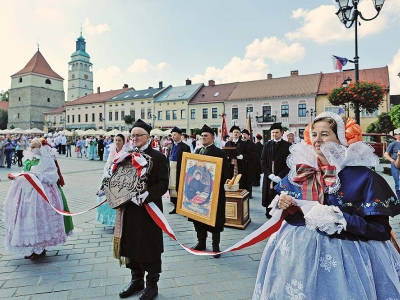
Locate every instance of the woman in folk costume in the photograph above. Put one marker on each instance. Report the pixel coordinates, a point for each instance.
(92, 148)
(340, 248)
(31, 224)
(105, 214)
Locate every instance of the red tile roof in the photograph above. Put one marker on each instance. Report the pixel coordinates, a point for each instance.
(332, 80)
(207, 93)
(4, 105)
(295, 85)
(97, 97)
(38, 65)
(55, 110)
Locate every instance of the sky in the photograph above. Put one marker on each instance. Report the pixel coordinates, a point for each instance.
(142, 42)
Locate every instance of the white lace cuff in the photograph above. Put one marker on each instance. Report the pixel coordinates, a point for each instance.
(325, 218)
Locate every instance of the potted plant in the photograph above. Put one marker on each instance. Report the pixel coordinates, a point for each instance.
(369, 95)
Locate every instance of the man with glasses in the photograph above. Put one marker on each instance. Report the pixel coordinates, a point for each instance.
(142, 239)
(175, 159)
(208, 148)
(391, 154)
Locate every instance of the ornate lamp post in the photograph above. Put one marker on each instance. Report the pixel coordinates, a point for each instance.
(349, 14)
(312, 113)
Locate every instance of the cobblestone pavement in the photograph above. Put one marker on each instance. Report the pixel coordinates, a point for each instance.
(83, 268)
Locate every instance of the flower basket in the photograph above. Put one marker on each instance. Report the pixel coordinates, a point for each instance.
(369, 95)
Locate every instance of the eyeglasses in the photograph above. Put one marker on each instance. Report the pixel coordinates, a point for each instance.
(137, 135)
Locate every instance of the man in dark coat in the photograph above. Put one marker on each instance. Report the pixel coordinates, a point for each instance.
(249, 152)
(242, 164)
(259, 148)
(175, 160)
(207, 139)
(142, 239)
(100, 147)
(273, 164)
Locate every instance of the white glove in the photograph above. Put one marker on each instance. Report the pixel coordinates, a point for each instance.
(138, 200)
(276, 179)
(271, 176)
(325, 218)
(239, 156)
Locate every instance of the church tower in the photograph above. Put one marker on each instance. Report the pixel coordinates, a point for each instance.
(80, 75)
(34, 89)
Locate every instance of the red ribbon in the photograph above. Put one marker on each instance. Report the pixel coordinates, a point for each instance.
(314, 180)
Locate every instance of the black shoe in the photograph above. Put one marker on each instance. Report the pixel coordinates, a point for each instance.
(216, 249)
(172, 212)
(201, 246)
(131, 288)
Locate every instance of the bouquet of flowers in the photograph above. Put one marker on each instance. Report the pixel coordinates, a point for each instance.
(369, 95)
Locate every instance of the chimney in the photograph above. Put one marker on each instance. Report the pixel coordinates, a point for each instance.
(269, 76)
(125, 86)
(294, 73)
(160, 85)
(188, 82)
(98, 90)
(211, 82)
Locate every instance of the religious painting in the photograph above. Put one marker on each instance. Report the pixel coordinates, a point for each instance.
(199, 187)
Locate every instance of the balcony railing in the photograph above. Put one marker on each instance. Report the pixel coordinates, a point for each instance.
(265, 119)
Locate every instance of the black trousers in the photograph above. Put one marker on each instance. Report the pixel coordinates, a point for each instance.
(148, 266)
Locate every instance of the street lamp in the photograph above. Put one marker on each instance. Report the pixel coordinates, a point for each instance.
(311, 113)
(154, 117)
(346, 82)
(349, 14)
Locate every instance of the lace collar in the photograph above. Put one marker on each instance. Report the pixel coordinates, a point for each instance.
(357, 154)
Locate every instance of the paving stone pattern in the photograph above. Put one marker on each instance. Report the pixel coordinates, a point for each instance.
(83, 268)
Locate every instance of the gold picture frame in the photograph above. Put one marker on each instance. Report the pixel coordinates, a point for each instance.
(199, 184)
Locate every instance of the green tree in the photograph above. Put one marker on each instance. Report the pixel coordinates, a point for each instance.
(129, 120)
(4, 96)
(3, 119)
(196, 131)
(385, 123)
(395, 116)
(373, 127)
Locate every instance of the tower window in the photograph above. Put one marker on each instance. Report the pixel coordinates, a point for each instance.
(48, 99)
(20, 79)
(48, 81)
(19, 98)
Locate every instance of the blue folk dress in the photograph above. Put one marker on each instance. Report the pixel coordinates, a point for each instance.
(359, 263)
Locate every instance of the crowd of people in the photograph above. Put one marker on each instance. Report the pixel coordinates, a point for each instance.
(345, 237)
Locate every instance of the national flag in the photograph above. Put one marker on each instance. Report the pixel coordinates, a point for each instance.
(341, 111)
(339, 62)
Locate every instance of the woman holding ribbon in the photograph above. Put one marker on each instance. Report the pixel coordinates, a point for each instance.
(31, 224)
(105, 214)
(334, 242)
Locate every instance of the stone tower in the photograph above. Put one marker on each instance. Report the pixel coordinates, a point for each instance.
(34, 89)
(80, 75)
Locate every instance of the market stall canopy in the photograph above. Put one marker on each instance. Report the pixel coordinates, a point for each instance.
(113, 132)
(157, 132)
(101, 132)
(67, 132)
(17, 130)
(35, 130)
(89, 132)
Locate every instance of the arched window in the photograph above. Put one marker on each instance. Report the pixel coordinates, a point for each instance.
(48, 99)
(20, 79)
(80, 66)
(48, 81)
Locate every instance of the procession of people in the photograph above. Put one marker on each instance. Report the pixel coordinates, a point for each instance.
(344, 237)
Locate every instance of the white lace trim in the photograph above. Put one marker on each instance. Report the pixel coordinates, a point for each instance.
(325, 218)
(357, 154)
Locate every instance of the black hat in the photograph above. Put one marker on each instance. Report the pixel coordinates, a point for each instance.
(246, 131)
(141, 124)
(259, 137)
(234, 127)
(276, 126)
(176, 129)
(206, 128)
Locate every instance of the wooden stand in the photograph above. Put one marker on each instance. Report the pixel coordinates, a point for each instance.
(237, 209)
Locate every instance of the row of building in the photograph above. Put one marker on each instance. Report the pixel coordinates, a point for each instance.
(37, 99)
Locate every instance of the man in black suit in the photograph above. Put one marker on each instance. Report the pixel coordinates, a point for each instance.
(207, 139)
(259, 148)
(142, 239)
(100, 147)
(243, 162)
(249, 152)
(273, 164)
(175, 160)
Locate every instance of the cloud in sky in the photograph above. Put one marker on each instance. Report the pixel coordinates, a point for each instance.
(236, 70)
(108, 78)
(95, 29)
(394, 69)
(276, 50)
(141, 65)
